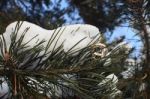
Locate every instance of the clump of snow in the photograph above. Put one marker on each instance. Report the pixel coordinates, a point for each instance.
(118, 47)
(70, 35)
(130, 64)
(78, 35)
(142, 87)
(111, 77)
(113, 86)
(4, 89)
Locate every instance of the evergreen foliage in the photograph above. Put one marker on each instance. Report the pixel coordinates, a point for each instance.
(31, 74)
(59, 66)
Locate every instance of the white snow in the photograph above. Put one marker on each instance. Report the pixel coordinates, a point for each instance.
(121, 45)
(4, 88)
(114, 79)
(70, 35)
(142, 87)
(111, 77)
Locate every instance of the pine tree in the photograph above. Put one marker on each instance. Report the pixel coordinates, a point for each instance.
(139, 20)
(72, 75)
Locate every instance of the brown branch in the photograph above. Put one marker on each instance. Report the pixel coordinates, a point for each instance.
(147, 47)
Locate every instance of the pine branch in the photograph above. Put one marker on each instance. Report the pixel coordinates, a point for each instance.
(36, 70)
